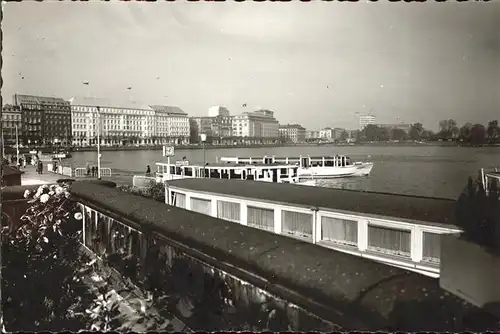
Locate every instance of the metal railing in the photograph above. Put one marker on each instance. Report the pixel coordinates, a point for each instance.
(82, 172)
(140, 181)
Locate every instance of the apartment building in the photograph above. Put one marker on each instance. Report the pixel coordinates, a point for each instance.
(118, 122)
(294, 133)
(364, 120)
(45, 120)
(171, 125)
(259, 125)
(11, 119)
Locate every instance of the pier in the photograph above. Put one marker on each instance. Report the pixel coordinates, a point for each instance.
(398, 230)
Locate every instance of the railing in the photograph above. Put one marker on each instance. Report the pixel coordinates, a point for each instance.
(140, 181)
(412, 246)
(82, 172)
(63, 170)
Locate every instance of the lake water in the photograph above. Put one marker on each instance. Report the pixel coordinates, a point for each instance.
(417, 170)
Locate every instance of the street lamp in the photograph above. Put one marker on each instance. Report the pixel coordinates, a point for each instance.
(98, 143)
(203, 138)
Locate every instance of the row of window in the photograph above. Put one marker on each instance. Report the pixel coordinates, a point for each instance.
(334, 230)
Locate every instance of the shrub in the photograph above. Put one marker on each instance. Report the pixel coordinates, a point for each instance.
(478, 214)
(155, 191)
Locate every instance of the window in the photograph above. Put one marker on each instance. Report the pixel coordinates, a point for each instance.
(389, 240)
(228, 211)
(260, 218)
(201, 205)
(431, 246)
(339, 230)
(297, 223)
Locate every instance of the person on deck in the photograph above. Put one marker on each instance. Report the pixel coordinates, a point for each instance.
(148, 171)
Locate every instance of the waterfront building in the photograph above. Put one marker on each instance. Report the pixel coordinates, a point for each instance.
(326, 134)
(364, 120)
(171, 125)
(337, 133)
(119, 122)
(294, 133)
(259, 126)
(11, 118)
(218, 111)
(401, 126)
(45, 120)
(312, 134)
(200, 125)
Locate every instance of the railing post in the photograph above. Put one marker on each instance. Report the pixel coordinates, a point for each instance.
(213, 207)
(316, 232)
(188, 202)
(243, 214)
(417, 238)
(277, 221)
(362, 235)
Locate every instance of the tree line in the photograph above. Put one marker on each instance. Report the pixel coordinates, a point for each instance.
(473, 134)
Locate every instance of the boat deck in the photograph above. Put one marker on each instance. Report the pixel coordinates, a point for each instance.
(427, 209)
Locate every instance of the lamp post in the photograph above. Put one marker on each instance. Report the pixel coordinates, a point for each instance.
(203, 138)
(98, 143)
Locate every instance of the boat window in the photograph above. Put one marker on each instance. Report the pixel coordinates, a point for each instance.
(172, 169)
(178, 171)
(188, 171)
(283, 171)
(329, 163)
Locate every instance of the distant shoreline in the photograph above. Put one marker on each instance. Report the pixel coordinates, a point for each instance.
(10, 150)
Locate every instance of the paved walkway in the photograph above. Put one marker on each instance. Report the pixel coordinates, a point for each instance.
(31, 177)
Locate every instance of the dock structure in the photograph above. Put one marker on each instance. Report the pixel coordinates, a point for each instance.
(398, 230)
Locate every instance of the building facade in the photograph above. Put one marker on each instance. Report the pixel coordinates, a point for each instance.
(11, 119)
(326, 134)
(312, 135)
(401, 126)
(45, 120)
(257, 126)
(364, 120)
(118, 123)
(199, 125)
(294, 133)
(218, 111)
(171, 125)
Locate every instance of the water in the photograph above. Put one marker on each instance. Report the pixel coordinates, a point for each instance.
(417, 170)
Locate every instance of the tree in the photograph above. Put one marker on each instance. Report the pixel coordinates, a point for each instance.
(465, 132)
(416, 131)
(493, 130)
(449, 129)
(344, 135)
(477, 134)
(398, 134)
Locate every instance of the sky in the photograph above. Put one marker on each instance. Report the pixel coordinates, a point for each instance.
(316, 64)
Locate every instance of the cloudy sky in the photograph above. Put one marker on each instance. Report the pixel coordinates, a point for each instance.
(316, 63)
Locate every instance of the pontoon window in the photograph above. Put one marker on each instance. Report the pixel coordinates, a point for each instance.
(389, 240)
(179, 200)
(340, 231)
(260, 218)
(431, 247)
(201, 205)
(228, 211)
(297, 223)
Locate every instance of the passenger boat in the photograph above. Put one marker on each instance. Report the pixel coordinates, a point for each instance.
(280, 173)
(317, 167)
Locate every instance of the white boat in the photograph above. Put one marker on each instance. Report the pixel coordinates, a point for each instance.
(280, 173)
(316, 167)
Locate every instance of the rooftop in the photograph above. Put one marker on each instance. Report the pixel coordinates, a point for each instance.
(168, 109)
(30, 99)
(414, 208)
(108, 103)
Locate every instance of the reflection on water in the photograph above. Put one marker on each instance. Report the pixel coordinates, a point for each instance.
(416, 170)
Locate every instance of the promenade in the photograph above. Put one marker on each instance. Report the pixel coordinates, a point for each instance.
(31, 177)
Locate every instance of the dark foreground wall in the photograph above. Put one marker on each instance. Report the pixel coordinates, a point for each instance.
(220, 275)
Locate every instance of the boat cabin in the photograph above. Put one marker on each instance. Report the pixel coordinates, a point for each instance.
(302, 161)
(258, 172)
